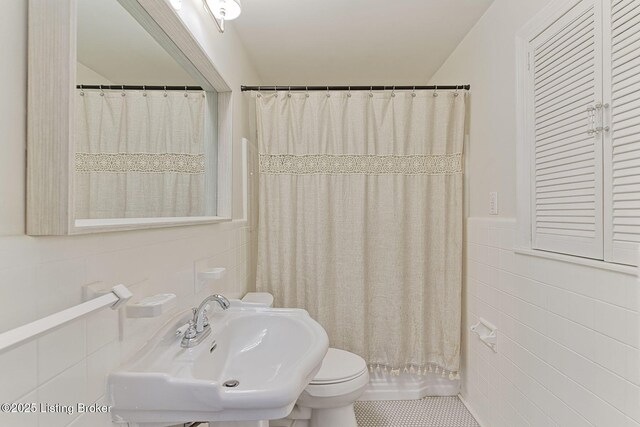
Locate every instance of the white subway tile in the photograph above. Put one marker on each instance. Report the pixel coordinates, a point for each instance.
(18, 293)
(616, 288)
(28, 418)
(574, 336)
(61, 349)
(99, 365)
(95, 419)
(67, 389)
(493, 237)
(507, 238)
(616, 322)
(101, 328)
(493, 256)
(563, 329)
(18, 372)
(610, 387)
(632, 401)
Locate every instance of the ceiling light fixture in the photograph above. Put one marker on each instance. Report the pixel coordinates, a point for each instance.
(223, 10)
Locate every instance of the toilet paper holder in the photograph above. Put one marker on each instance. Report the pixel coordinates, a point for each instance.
(487, 333)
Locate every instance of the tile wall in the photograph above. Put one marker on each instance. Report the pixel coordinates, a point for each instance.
(39, 276)
(568, 339)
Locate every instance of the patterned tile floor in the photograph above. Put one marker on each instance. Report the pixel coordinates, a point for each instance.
(427, 412)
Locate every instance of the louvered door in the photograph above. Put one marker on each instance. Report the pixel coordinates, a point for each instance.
(622, 140)
(565, 86)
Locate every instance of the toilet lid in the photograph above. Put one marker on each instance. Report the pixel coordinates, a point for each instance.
(339, 366)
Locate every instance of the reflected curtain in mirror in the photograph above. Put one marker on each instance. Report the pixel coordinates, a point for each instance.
(140, 154)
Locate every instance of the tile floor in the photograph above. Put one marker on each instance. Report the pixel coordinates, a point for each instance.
(427, 412)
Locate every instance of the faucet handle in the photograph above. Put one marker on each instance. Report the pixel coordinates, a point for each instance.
(191, 330)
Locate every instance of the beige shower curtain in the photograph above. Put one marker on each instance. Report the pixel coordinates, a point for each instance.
(140, 154)
(360, 220)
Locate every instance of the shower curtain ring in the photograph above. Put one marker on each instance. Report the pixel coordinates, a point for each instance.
(123, 94)
(393, 92)
(289, 94)
(456, 92)
(349, 92)
(101, 91)
(306, 89)
(259, 95)
(81, 90)
(144, 90)
(371, 92)
(413, 94)
(328, 94)
(165, 92)
(186, 95)
(435, 92)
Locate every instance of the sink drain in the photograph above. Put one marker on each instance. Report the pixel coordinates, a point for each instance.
(231, 383)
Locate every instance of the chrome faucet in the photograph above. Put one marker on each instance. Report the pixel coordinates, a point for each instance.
(198, 328)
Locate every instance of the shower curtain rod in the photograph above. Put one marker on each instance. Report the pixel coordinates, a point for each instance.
(137, 87)
(353, 88)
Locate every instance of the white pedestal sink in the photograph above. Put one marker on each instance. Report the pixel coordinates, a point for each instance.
(272, 354)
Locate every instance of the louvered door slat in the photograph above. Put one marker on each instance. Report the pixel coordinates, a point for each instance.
(562, 106)
(575, 143)
(622, 142)
(566, 78)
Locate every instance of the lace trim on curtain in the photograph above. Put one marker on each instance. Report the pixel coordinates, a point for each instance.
(140, 162)
(414, 370)
(310, 164)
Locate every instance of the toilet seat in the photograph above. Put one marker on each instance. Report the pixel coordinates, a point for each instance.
(341, 374)
(339, 366)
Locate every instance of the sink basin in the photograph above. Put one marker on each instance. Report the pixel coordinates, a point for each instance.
(272, 354)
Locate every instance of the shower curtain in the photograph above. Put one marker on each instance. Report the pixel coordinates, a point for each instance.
(139, 154)
(360, 220)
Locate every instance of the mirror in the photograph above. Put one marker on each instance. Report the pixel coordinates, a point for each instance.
(145, 139)
(129, 123)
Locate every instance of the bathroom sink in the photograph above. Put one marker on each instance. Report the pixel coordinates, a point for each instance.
(253, 366)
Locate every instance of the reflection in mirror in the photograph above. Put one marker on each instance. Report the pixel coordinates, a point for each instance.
(145, 120)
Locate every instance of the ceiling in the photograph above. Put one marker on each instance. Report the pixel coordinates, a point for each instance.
(115, 46)
(342, 42)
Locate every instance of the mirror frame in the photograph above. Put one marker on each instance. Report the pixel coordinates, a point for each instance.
(51, 90)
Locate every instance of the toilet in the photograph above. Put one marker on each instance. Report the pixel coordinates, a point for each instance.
(340, 381)
(328, 399)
